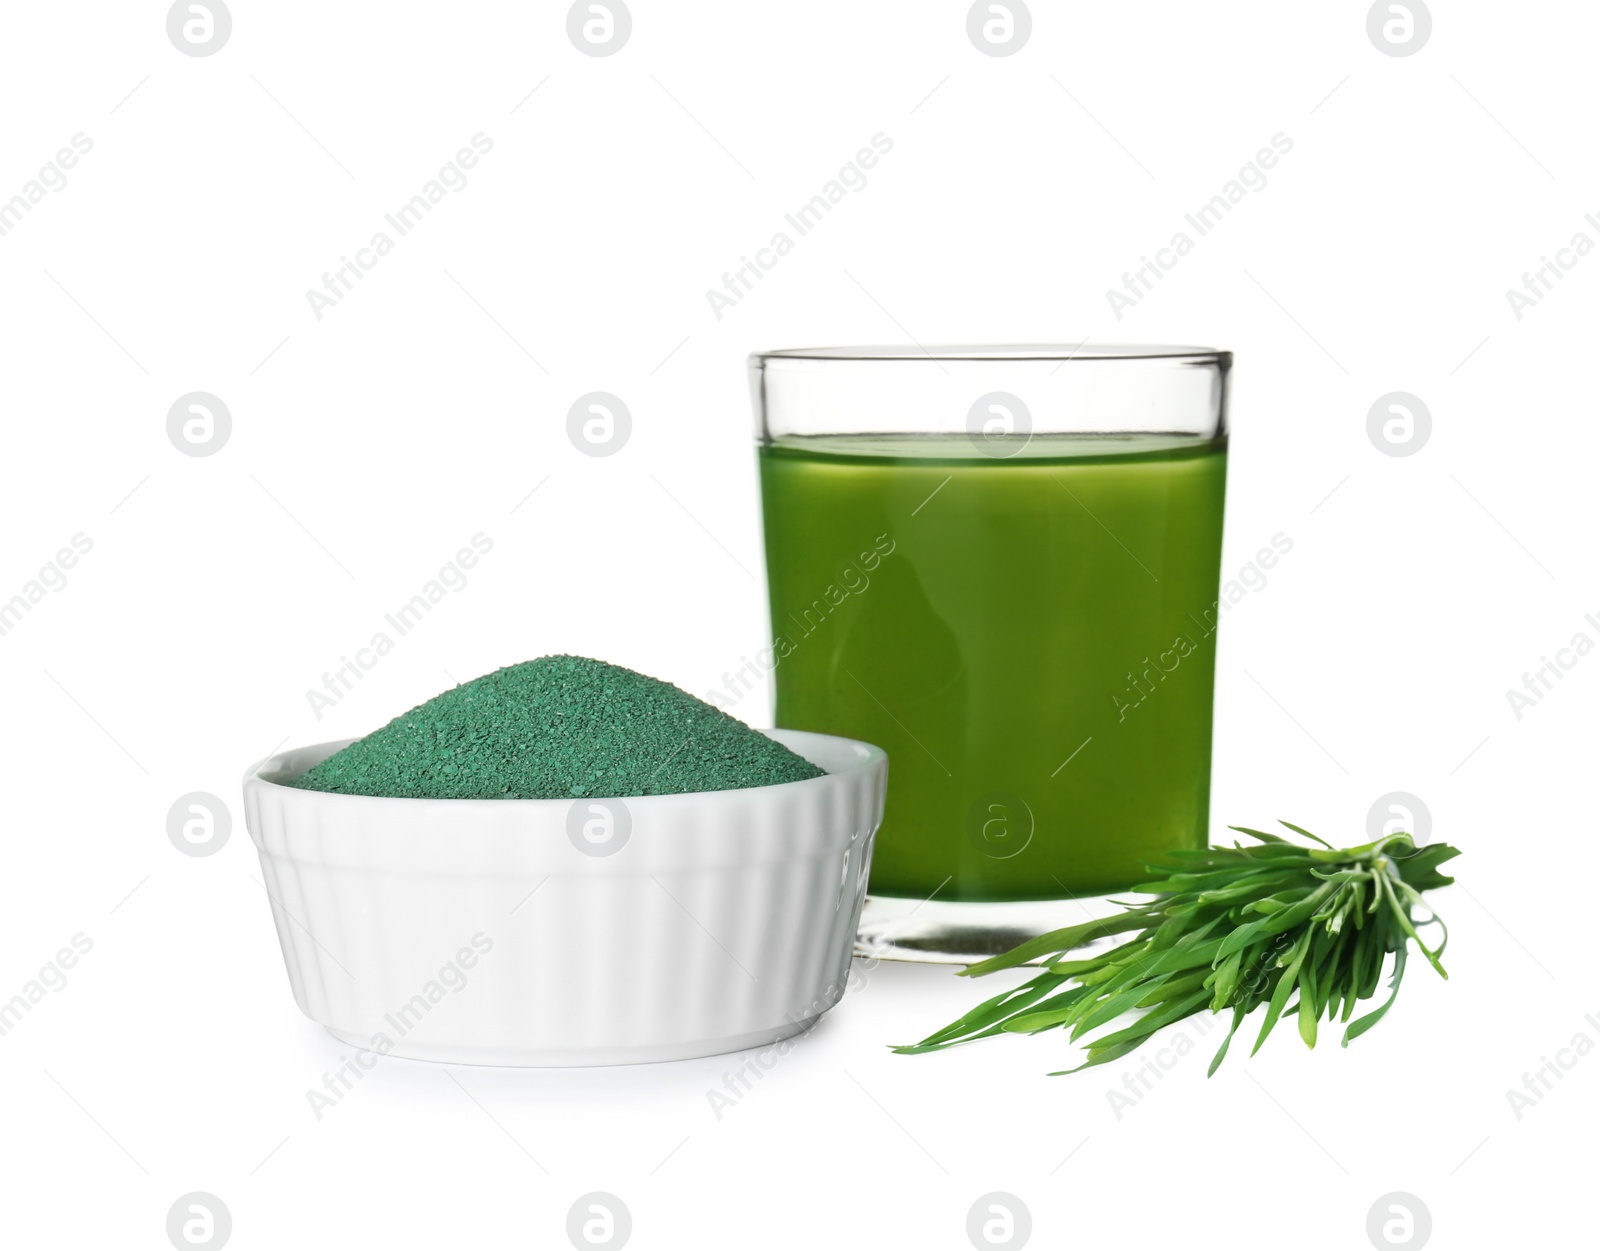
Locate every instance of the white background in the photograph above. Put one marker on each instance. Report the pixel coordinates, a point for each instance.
(369, 445)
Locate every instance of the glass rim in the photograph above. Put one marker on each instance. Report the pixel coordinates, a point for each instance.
(999, 352)
(918, 389)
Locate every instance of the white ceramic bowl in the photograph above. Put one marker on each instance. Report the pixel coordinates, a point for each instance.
(556, 932)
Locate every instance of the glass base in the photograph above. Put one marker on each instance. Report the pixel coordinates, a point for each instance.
(934, 932)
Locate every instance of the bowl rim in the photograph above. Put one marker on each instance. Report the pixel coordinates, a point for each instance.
(869, 759)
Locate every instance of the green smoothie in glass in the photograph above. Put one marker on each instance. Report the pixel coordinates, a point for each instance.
(1021, 610)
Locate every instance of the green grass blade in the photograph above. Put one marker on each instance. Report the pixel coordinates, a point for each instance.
(1285, 987)
(1098, 1057)
(1152, 1021)
(1306, 833)
(1068, 939)
(1216, 1060)
(1308, 1005)
(989, 1013)
(1363, 1024)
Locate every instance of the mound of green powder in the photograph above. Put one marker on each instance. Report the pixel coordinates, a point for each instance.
(557, 728)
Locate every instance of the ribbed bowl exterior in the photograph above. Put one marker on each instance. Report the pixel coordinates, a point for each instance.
(484, 931)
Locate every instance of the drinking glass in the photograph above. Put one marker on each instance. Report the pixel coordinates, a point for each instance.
(1001, 565)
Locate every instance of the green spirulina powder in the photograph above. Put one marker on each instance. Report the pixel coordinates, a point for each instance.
(557, 728)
